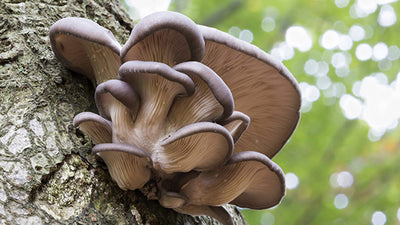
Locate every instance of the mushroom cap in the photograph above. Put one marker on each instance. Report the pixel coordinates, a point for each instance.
(249, 179)
(262, 88)
(107, 93)
(122, 160)
(72, 39)
(132, 70)
(213, 82)
(166, 37)
(98, 128)
(200, 146)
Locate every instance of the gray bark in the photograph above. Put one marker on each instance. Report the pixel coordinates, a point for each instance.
(47, 173)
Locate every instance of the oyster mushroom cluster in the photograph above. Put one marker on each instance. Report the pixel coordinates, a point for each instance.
(175, 104)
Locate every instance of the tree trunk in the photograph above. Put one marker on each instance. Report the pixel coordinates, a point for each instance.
(47, 173)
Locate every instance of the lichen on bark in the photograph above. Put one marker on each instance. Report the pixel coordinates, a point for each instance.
(47, 173)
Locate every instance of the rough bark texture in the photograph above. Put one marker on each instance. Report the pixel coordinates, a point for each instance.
(47, 173)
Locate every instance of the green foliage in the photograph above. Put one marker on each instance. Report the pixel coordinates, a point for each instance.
(325, 142)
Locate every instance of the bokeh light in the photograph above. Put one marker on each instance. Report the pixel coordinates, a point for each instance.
(351, 106)
(298, 37)
(267, 218)
(398, 214)
(380, 51)
(341, 3)
(378, 218)
(341, 201)
(246, 35)
(329, 39)
(144, 8)
(387, 16)
(357, 33)
(268, 24)
(363, 52)
(292, 181)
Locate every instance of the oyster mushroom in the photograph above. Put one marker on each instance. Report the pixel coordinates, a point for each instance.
(261, 86)
(175, 106)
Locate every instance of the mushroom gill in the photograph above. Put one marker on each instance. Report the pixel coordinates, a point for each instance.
(86, 48)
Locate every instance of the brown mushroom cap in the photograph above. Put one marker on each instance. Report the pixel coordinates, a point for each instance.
(128, 165)
(262, 88)
(249, 179)
(212, 100)
(166, 37)
(199, 146)
(85, 47)
(98, 128)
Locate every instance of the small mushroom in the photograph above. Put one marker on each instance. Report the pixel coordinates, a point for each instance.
(85, 47)
(108, 92)
(98, 128)
(121, 160)
(262, 88)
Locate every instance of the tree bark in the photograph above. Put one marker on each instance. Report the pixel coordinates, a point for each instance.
(47, 173)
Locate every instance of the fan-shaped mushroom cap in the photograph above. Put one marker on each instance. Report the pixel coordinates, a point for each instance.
(249, 179)
(85, 47)
(109, 93)
(211, 101)
(199, 146)
(166, 37)
(129, 166)
(262, 88)
(98, 128)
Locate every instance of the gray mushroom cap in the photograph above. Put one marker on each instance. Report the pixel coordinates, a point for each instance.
(108, 92)
(249, 179)
(98, 128)
(213, 82)
(121, 160)
(166, 37)
(262, 88)
(85, 47)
